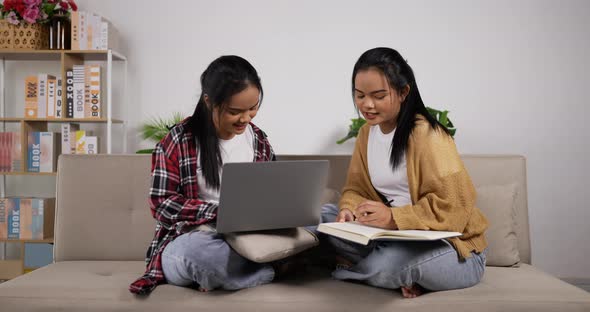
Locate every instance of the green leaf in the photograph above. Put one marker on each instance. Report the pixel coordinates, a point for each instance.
(145, 151)
(353, 129)
(156, 128)
(350, 135)
(443, 118)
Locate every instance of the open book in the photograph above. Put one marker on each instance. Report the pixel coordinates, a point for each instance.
(362, 234)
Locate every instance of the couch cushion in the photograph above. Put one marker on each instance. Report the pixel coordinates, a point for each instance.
(504, 170)
(102, 286)
(102, 210)
(272, 245)
(497, 204)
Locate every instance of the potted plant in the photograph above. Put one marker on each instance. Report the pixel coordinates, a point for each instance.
(441, 116)
(156, 129)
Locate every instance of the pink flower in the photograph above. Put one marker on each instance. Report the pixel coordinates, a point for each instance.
(31, 3)
(31, 15)
(12, 18)
(62, 5)
(73, 5)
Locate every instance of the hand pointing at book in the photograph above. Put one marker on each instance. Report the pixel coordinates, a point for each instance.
(345, 215)
(376, 214)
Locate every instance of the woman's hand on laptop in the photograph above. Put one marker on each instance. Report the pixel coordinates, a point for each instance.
(345, 215)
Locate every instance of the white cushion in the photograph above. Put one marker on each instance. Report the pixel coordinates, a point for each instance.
(497, 203)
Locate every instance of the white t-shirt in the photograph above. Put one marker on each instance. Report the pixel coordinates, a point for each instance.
(240, 148)
(391, 184)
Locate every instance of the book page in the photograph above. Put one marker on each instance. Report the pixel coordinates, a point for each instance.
(375, 233)
(355, 227)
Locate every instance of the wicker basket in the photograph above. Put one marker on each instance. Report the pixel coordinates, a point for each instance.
(23, 36)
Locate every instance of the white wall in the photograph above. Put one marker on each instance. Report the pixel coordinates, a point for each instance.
(513, 75)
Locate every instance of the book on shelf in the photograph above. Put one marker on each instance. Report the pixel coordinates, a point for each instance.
(46, 96)
(95, 102)
(82, 41)
(92, 91)
(10, 152)
(79, 95)
(31, 96)
(59, 107)
(34, 152)
(26, 218)
(363, 234)
(50, 149)
(16, 148)
(68, 138)
(50, 102)
(4, 152)
(4, 203)
(91, 31)
(43, 96)
(91, 145)
(75, 30)
(69, 94)
(12, 218)
(86, 144)
(43, 150)
(36, 218)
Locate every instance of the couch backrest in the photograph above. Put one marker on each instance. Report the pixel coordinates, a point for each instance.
(483, 169)
(102, 211)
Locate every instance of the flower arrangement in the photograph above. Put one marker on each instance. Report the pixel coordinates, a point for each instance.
(35, 11)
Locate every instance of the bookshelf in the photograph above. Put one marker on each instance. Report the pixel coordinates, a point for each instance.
(12, 117)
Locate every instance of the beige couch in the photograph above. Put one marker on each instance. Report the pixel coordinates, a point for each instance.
(103, 226)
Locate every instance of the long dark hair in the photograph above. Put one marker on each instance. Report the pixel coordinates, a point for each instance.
(399, 75)
(224, 77)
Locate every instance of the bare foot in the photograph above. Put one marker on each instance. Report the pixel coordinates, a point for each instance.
(201, 289)
(412, 291)
(343, 263)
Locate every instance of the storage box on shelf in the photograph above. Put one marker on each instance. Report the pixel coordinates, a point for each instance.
(23, 36)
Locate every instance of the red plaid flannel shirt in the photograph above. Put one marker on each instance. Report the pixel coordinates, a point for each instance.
(173, 196)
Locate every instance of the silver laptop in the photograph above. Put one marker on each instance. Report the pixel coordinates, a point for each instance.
(271, 195)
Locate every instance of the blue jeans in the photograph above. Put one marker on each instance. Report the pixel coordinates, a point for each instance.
(205, 259)
(392, 264)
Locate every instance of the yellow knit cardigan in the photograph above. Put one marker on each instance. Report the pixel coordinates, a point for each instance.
(443, 196)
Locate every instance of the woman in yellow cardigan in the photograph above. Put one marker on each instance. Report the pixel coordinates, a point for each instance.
(405, 173)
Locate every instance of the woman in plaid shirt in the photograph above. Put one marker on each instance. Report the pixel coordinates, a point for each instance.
(186, 171)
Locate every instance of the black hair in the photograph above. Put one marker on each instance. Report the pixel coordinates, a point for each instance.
(223, 78)
(399, 75)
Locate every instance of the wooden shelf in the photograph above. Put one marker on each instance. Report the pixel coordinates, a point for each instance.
(64, 120)
(56, 55)
(67, 60)
(17, 173)
(10, 269)
(28, 241)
